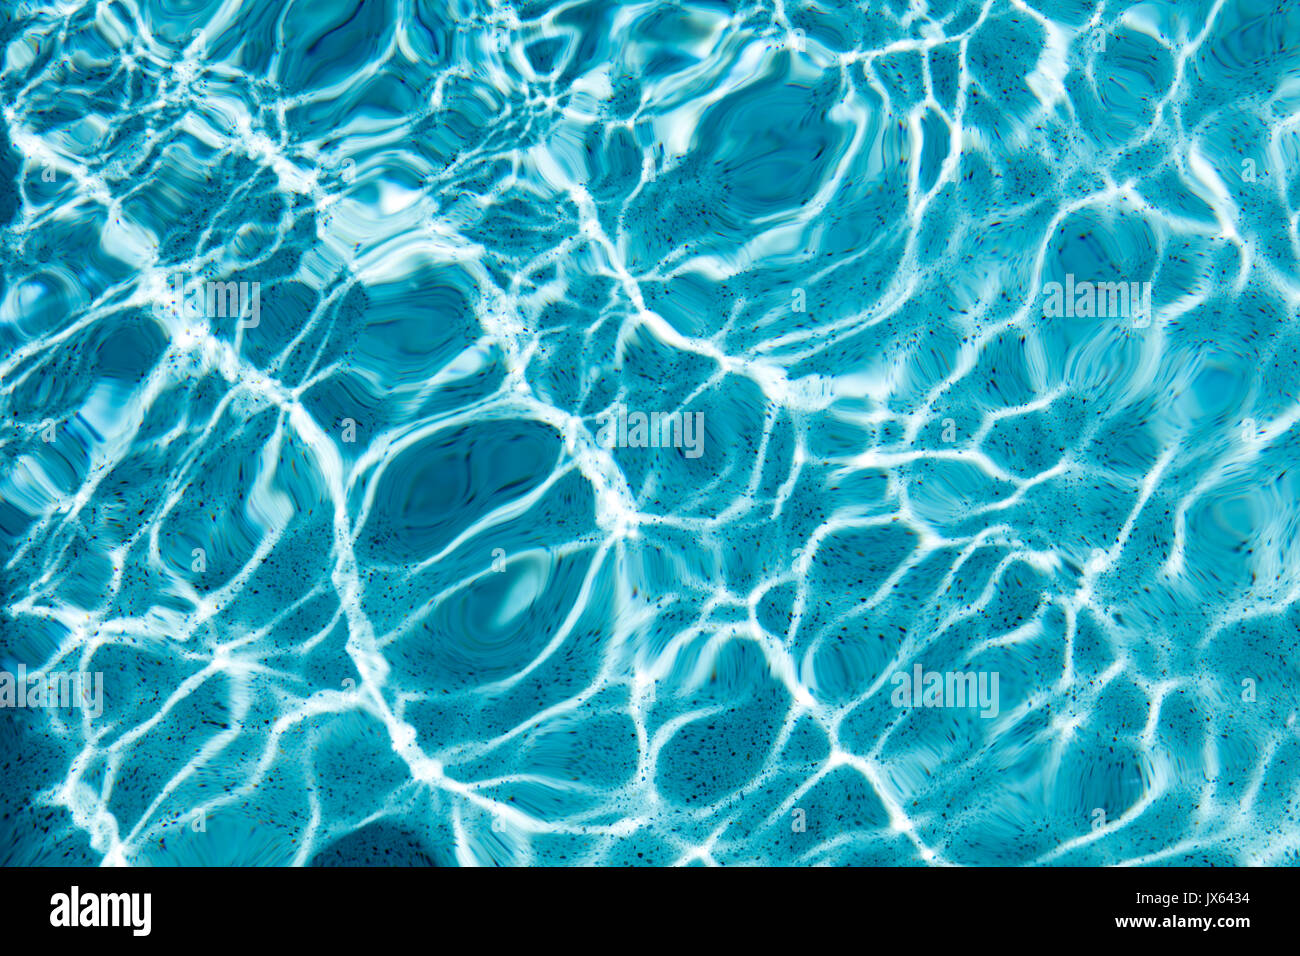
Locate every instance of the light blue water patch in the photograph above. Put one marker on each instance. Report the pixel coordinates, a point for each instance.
(649, 434)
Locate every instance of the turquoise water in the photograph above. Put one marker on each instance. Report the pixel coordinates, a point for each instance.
(650, 433)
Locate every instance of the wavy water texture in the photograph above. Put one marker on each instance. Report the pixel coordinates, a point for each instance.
(366, 583)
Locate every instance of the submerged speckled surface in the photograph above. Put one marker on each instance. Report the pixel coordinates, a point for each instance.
(380, 566)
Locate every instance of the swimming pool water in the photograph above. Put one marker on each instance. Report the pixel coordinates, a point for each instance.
(649, 433)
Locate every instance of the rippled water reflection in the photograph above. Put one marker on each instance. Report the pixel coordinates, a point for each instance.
(364, 579)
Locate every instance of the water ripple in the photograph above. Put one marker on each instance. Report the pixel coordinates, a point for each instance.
(644, 434)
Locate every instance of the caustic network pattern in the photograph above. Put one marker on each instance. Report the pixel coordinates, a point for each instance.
(578, 432)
